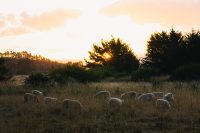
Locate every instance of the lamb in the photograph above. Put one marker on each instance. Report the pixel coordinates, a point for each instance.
(37, 92)
(28, 97)
(128, 95)
(147, 97)
(114, 103)
(72, 105)
(50, 100)
(169, 97)
(163, 104)
(158, 94)
(102, 95)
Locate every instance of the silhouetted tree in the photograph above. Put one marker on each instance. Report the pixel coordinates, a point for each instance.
(192, 41)
(3, 69)
(165, 51)
(113, 53)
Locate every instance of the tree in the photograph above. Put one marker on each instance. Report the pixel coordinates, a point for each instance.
(192, 41)
(3, 69)
(114, 54)
(165, 51)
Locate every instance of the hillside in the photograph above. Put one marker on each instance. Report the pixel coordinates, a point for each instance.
(24, 63)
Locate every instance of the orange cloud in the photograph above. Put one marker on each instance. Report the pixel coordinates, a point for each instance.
(168, 12)
(48, 20)
(13, 31)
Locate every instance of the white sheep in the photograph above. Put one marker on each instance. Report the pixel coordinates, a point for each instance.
(163, 104)
(158, 94)
(128, 95)
(146, 97)
(169, 97)
(72, 105)
(28, 97)
(37, 92)
(114, 103)
(50, 100)
(102, 95)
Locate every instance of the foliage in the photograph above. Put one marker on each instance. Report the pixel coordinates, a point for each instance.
(37, 79)
(192, 53)
(113, 53)
(3, 70)
(186, 72)
(165, 51)
(144, 73)
(24, 63)
(71, 71)
(168, 51)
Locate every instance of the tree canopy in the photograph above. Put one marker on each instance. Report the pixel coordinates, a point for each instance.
(113, 53)
(168, 51)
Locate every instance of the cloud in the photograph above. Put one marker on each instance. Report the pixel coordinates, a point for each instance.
(2, 23)
(13, 31)
(48, 20)
(172, 12)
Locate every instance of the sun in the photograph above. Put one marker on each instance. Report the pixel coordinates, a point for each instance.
(107, 56)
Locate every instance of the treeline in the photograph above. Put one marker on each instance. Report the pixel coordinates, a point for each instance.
(168, 53)
(24, 63)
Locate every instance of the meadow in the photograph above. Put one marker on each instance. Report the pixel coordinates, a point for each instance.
(133, 117)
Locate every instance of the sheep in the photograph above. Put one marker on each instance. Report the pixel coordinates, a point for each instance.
(169, 97)
(28, 97)
(163, 104)
(114, 103)
(50, 100)
(146, 97)
(72, 105)
(102, 95)
(37, 92)
(128, 95)
(158, 94)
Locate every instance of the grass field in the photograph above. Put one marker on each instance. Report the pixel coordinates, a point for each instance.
(133, 117)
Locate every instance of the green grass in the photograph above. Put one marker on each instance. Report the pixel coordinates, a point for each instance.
(133, 117)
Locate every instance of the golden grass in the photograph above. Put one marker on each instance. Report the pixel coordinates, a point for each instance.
(17, 117)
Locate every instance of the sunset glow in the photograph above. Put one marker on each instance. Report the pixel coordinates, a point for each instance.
(66, 29)
(107, 56)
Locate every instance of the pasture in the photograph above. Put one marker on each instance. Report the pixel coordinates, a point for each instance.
(133, 117)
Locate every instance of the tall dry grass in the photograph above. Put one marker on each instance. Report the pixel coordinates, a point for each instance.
(18, 117)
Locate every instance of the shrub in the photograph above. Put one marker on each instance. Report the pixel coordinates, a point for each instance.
(186, 73)
(143, 74)
(37, 79)
(73, 71)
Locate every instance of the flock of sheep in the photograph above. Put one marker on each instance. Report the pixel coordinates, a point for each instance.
(161, 99)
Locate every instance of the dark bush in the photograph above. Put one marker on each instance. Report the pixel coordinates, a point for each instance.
(71, 71)
(186, 73)
(144, 73)
(37, 79)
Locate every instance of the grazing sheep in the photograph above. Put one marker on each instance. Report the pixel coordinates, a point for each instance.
(102, 95)
(147, 97)
(114, 103)
(50, 100)
(169, 97)
(128, 95)
(37, 92)
(158, 94)
(28, 97)
(72, 105)
(162, 104)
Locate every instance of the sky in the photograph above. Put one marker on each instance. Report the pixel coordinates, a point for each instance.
(66, 29)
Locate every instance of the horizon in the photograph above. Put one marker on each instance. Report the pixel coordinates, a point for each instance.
(66, 30)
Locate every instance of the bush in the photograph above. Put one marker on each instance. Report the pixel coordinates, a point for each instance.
(143, 74)
(186, 73)
(37, 79)
(73, 71)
